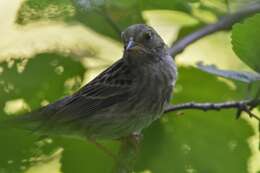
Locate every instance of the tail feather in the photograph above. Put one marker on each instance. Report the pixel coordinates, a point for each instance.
(27, 122)
(31, 121)
(37, 120)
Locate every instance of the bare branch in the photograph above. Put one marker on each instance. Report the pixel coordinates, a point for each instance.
(223, 24)
(244, 105)
(205, 106)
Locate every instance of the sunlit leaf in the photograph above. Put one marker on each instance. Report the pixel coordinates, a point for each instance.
(100, 15)
(192, 143)
(81, 156)
(36, 81)
(32, 11)
(42, 78)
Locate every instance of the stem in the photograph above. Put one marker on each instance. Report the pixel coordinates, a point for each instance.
(244, 105)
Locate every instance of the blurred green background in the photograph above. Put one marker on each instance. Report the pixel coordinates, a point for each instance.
(49, 48)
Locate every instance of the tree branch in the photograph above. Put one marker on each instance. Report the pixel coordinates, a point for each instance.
(241, 106)
(223, 24)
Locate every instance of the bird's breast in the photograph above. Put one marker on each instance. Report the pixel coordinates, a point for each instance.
(155, 86)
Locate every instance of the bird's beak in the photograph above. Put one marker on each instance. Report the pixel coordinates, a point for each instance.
(130, 44)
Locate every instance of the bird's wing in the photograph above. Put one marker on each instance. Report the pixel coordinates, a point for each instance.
(110, 87)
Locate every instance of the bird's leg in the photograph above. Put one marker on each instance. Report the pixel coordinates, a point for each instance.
(130, 142)
(103, 148)
(128, 152)
(135, 138)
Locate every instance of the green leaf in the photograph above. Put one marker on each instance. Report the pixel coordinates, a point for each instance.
(35, 84)
(118, 13)
(259, 135)
(31, 11)
(43, 78)
(81, 156)
(245, 40)
(166, 4)
(96, 14)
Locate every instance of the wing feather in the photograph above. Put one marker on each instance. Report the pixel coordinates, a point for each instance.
(109, 88)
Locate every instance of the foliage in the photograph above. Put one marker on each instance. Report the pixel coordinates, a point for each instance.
(193, 142)
(196, 141)
(94, 13)
(248, 51)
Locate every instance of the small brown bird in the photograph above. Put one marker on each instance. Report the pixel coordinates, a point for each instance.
(122, 100)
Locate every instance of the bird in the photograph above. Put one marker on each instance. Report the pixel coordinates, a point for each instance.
(122, 100)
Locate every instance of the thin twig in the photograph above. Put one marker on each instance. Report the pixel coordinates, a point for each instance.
(205, 106)
(224, 23)
(244, 105)
(252, 114)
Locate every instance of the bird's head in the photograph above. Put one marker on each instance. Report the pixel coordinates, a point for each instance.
(142, 41)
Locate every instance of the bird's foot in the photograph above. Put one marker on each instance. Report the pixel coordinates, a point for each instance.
(135, 139)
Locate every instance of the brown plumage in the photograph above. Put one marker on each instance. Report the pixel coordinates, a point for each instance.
(123, 99)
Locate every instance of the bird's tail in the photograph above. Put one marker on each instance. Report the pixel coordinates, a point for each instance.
(38, 120)
(27, 121)
(30, 121)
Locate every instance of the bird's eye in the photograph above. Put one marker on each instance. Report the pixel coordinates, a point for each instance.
(147, 36)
